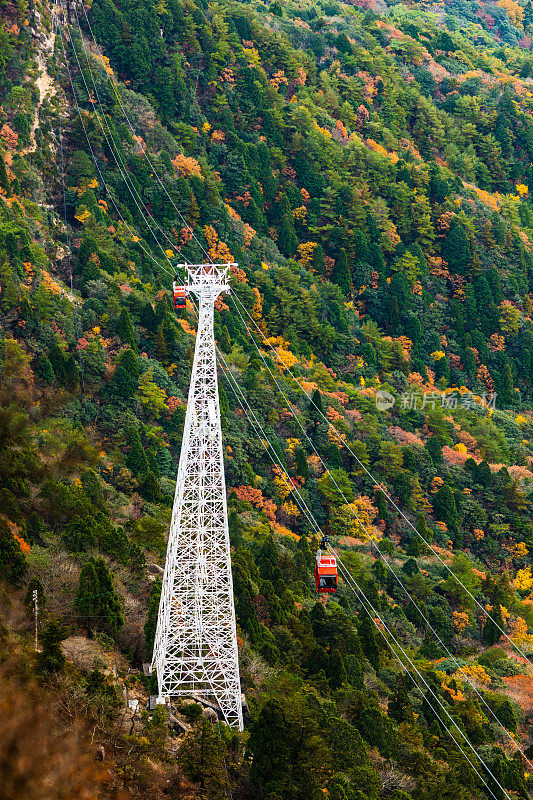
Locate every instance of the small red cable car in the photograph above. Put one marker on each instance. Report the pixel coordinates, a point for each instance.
(179, 293)
(325, 570)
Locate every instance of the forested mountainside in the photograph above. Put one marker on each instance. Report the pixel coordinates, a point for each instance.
(367, 166)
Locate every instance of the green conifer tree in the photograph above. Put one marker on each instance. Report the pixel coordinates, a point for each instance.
(201, 755)
(136, 460)
(223, 339)
(12, 559)
(72, 375)
(125, 329)
(148, 317)
(355, 666)
(160, 346)
(51, 658)
(493, 628)
(96, 600)
(9, 297)
(110, 613)
(399, 706)
(300, 463)
(150, 625)
(236, 529)
(270, 747)
(45, 371)
(506, 715)
(410, 567)
(426, 534)
(336, 671)
(151, 488)
(35, 528)
(4, 180)
(86, 600)
(316, 409)
(341, 274)
(367, 637)
(456, 249)
(93, 488)
(287, 239)
(444, 507)
(317, 262)
(126, 378)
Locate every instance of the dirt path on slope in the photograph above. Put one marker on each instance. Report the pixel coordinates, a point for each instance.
(44, 83)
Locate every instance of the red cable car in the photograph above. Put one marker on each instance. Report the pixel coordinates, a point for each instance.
(179, 293)
(325, 570)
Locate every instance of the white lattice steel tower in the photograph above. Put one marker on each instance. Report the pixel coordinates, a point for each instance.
(196, 640)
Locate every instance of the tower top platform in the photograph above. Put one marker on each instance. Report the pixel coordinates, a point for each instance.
(208, 280)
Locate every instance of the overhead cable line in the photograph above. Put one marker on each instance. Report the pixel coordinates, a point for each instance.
(108, 136)
(410, 598)
(122, 171)
(144, 151)
(97, 166)
(69, 255)
(367, 605)
(386, 494)
(133, 196)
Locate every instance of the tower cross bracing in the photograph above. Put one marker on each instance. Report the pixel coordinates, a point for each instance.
(195, 646)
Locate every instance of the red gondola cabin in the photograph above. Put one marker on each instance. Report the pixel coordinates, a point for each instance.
(325, 573)
(180, 294)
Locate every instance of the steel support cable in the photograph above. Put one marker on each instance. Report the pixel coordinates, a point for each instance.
(126, 225)
(398, 645)
(62, 170)
(368, 606)
(122, 170)
(389, 567)
(160, 266)
(144, 152)
(157, 263)
(101, 116)
(360, 591)
(388, 497)
(124, 175)
(256, 425)
(240, 397)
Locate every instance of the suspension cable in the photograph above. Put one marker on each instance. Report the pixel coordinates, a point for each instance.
(97, 166)
(122, 171)
(367, 605)
(173, 245)
(386, 495)
(101, 116)
(69, 257)
(391, 570)
(365, 600)
(144, 151)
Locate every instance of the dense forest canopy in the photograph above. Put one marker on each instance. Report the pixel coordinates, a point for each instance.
(367, 169)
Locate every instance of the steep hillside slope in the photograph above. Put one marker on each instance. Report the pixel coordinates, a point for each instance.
(369, 169)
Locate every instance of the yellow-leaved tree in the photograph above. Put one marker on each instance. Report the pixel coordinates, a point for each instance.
(218, 252)
(523, 581)
(509, 318)
(151, 396)
(513, 11)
